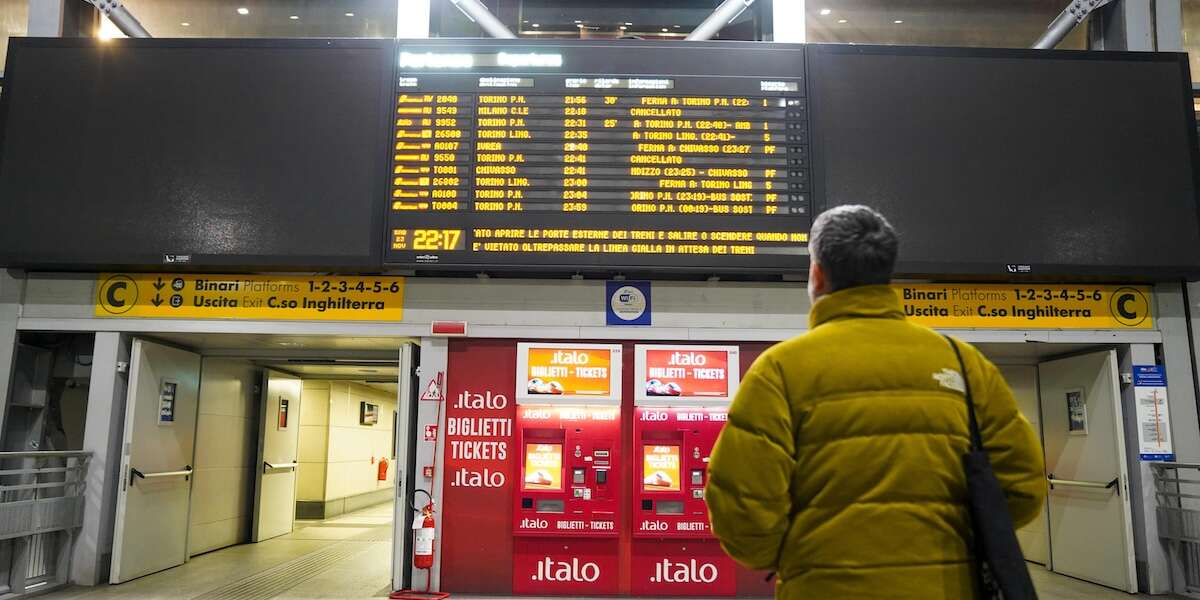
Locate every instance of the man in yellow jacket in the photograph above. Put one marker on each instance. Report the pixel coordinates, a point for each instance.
(841, 465)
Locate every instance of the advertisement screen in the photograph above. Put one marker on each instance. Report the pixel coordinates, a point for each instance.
(687, 374)
(563, 371)
(660, 468)
(543, 467)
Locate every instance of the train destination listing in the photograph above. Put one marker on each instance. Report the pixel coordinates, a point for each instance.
(607, 167)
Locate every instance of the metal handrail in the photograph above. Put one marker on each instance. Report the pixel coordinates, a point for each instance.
(185, 472)
(1084, 484)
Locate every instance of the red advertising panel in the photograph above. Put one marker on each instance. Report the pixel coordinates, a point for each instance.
(682, 568)
(689, 373)
(476, 545)
(556, 567)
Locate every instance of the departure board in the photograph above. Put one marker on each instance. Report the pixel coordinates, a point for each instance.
(614, 155)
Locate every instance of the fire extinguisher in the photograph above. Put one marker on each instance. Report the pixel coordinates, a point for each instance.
(381, 473)
(424, 526)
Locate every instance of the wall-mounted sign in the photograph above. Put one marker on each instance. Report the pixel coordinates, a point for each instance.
(368, 414)
(1029, 306)
(179, 296)
(1077, 419)
(685, 375)
(627, 303)
(551, 373)
(167, 389)
(283, 413)
(1153, 416)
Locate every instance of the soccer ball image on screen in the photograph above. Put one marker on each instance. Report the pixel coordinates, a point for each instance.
(551, 388)
(655, 387)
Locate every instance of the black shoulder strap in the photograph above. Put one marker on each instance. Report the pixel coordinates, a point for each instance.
(976, 437)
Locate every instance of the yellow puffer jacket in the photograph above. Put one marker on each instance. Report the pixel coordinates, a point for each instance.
(841, 464)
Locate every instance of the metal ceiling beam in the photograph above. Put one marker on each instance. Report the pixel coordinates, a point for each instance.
(480, 15)
(1066, 21)
(121, 17)
(722, 16)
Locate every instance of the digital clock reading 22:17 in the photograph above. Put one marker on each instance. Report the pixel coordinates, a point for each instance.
(427, 239)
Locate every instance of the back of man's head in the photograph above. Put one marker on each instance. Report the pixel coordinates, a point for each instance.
(854, 245)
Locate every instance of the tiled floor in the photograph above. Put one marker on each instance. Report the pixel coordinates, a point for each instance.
(350, 557)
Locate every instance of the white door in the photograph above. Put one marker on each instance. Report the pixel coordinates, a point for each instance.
(1091, 531)
(1023, 380)
(278, 452)
(160, 429)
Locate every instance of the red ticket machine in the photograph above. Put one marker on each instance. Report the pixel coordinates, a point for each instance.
(682, 402)
(569, 472)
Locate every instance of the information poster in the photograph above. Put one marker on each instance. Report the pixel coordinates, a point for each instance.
(1153, 415)
(543, 467)
(549, 372)
(660, 469)
(667, 373)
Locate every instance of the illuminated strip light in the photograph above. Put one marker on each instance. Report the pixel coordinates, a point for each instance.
(531, 59)
(431, 60)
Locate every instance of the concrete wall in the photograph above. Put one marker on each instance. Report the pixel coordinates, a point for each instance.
(355, 450)
(226, 451)
(314, 441)
(339, 457)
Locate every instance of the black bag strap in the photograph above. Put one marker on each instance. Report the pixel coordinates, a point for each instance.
(976, 436)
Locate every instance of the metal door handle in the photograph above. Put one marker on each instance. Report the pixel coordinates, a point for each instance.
(186, 472)
(268, 466)
(1084, 484)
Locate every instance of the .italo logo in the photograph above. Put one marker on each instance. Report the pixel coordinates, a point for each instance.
(574, 571)
(688, 359)
(683, 572)
(561, 357)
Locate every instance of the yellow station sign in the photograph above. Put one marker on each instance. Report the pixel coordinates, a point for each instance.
(1029, 306)
(319, 298)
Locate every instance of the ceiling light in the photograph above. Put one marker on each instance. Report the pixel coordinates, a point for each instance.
(577, 21)
(629, 23)
(243, 11)
(294, 17)
(826, 11)
(622, 28)
(537, 25)
(843, 21)
(664, 29)
(186, 24)
(898, 21)
(349, 14)
(675, 26)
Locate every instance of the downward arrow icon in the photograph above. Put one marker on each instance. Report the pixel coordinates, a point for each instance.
(156, 301)
(158, 285)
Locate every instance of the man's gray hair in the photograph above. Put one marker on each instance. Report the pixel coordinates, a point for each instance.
(855, 245)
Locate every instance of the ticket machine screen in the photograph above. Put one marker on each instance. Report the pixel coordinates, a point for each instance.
(543, 467)
(660, 468)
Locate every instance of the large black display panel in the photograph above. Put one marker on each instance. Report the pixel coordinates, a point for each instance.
(586, 155)
(997, 161)
(240, 154)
